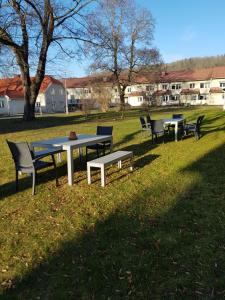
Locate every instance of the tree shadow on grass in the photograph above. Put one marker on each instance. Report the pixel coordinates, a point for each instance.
(25, 181)
(17, 125)
(133, 255)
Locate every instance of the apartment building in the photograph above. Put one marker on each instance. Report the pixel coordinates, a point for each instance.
(194, 87)
(190, 87)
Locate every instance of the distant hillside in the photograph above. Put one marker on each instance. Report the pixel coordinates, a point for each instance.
(197, 63)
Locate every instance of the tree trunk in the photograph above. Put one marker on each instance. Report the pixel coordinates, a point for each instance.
(122, 105)
(29, 107)
(29, 111)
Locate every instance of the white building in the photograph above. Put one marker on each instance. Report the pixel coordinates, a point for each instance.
(192, 87)
(51, 98)
(78, 90)
(84, 90)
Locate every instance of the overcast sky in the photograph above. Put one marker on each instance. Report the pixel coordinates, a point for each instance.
(183, 29)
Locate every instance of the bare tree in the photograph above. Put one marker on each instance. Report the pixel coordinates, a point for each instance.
(29, 27)
(123, 33)
(102, 95)
(87, 104)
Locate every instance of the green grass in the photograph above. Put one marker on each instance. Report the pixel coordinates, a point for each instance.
(156, 233)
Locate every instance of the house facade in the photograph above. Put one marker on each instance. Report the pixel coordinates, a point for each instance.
(51, 98)
(190, 87)
(194, 87)
(90, 89)
(78, 90)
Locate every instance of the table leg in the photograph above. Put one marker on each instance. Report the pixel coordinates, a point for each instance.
(102, 176)
(80, 154)
(89, 173)
(131, 163)
(70, 166)
(111, 145)
(119, 164)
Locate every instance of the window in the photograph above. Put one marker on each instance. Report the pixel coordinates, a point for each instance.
(203, 97)
(140, 99)
(204, 85)
(150, 87)
(223, 96)
(175, 97)
(87, 91)
(38, 104)
(192, 85)
(193, 97)
(129, 89)
(2, 104)
(164, 86)
(176, 86)
(166, 98)
(222, 85)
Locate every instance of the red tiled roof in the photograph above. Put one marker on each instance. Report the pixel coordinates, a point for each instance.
(190, 91)
(194, 75)
(216, 90)
(76, 82)
(13, 87)
(83, 82)
(47, 81)
(150, 77)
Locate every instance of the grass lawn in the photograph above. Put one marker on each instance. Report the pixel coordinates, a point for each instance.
(156, 233)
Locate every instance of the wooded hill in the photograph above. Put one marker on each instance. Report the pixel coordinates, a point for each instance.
(196, 63)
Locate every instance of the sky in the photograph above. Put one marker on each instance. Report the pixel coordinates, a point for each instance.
(183, 29)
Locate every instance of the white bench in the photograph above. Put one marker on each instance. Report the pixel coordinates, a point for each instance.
(104, 161)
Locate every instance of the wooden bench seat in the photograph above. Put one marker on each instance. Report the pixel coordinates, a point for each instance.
(104, 161)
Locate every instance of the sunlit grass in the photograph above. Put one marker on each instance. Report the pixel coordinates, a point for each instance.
(154, 233)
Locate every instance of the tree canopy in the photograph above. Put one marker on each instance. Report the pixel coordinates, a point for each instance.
(29, 27)
(122, 35)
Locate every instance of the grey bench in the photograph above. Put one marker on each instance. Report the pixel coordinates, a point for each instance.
(104, 161)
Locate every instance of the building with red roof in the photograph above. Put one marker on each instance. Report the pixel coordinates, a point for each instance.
(195, 87)
(51, 98)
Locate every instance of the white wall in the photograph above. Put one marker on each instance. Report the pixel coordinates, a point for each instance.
(135, 100)
(79, 93)
(54, 99)
(16, 106)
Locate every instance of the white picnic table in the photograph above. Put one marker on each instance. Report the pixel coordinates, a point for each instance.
(64, 143)
(175, 122)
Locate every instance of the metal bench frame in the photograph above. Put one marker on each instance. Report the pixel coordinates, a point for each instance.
(104, 161)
